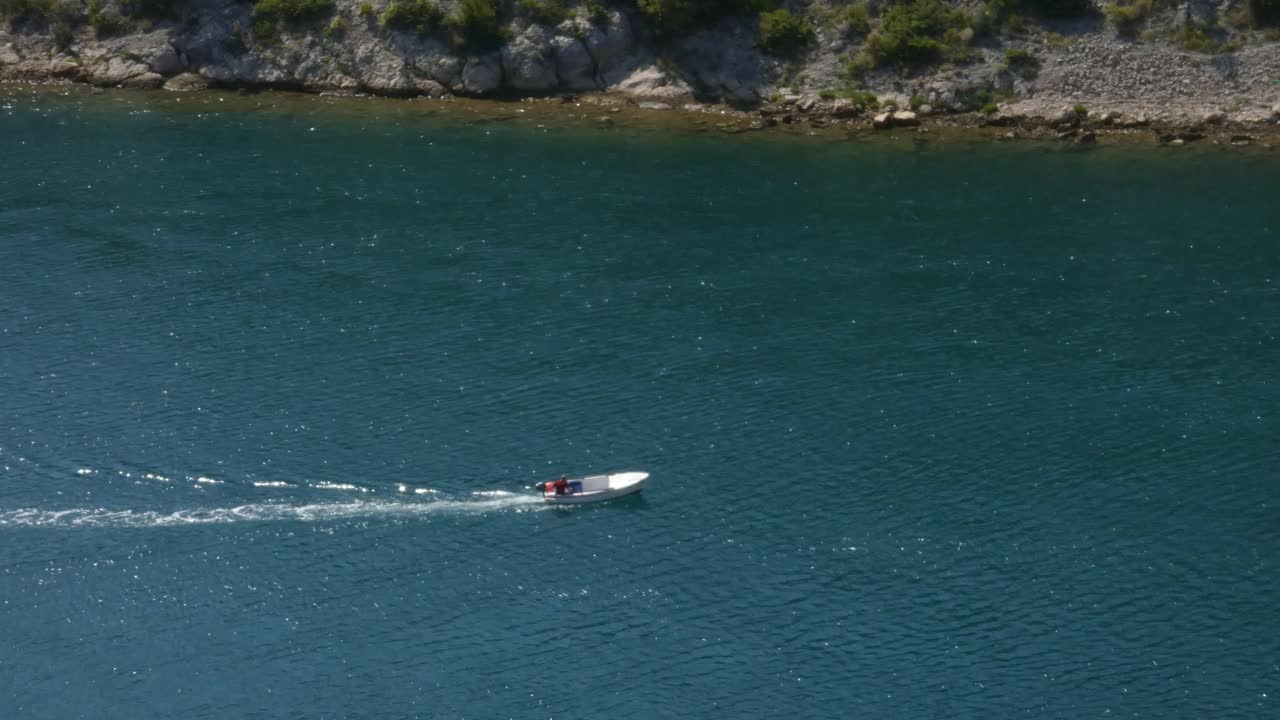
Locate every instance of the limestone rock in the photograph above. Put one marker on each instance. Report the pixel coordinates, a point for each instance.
(186, 82)
(574, 65)
(844, 108)
(722, 62)
(373, 70)
(1138, 120)
(9, 56)
(117, 71)
(1002, 81)
(528, 60)
(905, 118)
(1005, 116)
(166, 62)
(61, 67)
(1214, 118)
(883, 121)
(1087, 138)
(1067, 116)
(430, 88)
(482, 75)
(649, 105)
(610, 46)
(147, 80)
(650, 82)
(446, 70)
(738, 93)
(925, 109)
(1195, 14)
(807, 103)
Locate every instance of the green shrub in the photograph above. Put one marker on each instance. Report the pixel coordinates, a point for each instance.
(477, 26)
(1197, 40)
(864, 98)
(859, 65)
(543, 12)
(919, 32)
(63, 34)
(1128, 17)
(597, 13)
(1014, 23)
(1265, 12)
(337, 28)
(60, 16)
(1058, 8)
(1019, 56)
(782, 33)
(268, 14)
(366, 9)
(1022, 62)
(1002, 9)
(108, 24)
(151, 9)
(43, 11)
(916, 101)
(859, 97)
(421, 16)
(675, 17)
(976, 101)
(1081, 110)
(989, 109)
(855, 18)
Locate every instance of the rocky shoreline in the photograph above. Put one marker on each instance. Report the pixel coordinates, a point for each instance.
(606, 112)
(1070, 81)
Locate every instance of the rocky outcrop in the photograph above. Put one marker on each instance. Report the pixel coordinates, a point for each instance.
(529, 61)
(616, 52)
(481, 75)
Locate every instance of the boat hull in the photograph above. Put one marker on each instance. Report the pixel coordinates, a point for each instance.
(599, 488)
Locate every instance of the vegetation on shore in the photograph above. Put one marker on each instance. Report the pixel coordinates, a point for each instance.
(421, 16)
(62, 17)
(904, 35)
(896, 33)
(268, 15)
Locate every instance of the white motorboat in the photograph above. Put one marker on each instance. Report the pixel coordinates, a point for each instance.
(596, 488)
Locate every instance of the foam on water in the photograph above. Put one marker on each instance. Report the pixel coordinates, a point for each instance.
(260, 512)
(339, 486)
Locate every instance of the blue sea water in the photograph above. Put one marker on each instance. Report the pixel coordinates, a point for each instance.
(935, 429)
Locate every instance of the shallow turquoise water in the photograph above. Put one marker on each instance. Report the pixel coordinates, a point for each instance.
(955, 431)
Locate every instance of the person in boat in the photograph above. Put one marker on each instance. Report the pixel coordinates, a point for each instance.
(562, 486)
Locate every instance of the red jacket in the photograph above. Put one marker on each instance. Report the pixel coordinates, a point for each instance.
(561, 486)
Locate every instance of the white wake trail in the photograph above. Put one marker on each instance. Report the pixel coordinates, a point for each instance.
(262, 512)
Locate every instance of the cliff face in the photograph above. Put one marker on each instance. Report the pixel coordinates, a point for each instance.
(1168, 61)
(351, 46)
